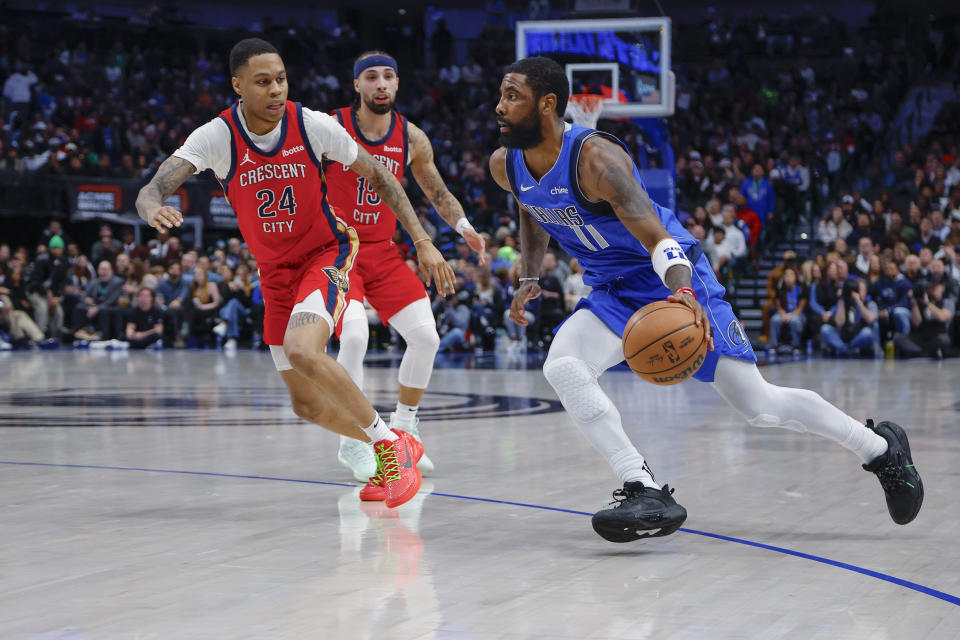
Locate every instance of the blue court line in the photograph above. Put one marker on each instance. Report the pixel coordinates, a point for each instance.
(952, 599)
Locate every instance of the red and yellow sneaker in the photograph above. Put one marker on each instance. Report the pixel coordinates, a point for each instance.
(397, 469)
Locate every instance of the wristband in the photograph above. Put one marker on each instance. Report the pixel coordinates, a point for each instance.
(666, 254)
(416, 242)
(462, 225)
(537, 279)
(688, 291)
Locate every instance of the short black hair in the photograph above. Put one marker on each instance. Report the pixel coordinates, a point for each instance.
(246, 49)
(544, 76)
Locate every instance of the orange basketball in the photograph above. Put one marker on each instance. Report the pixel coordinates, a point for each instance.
(662, 343)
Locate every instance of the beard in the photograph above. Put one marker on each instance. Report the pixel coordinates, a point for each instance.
(522, 135)
(378, 108)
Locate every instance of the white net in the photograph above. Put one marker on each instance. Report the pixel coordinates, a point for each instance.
(585, 109)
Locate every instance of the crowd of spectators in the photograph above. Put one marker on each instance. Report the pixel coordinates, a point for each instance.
(124, 295)
(884, 274)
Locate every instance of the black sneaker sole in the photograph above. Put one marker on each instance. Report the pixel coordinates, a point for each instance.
(653, 525)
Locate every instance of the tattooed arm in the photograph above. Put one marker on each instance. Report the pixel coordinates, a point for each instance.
(432, 264)
(172, 173)
(533, 243)
(427, 176)
(605, 173)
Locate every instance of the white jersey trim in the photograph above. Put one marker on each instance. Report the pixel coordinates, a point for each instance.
(208, 147)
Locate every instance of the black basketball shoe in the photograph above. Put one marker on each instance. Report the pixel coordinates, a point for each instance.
(898, 476)
(639, 512)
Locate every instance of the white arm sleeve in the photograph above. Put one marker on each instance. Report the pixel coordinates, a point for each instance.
(328, 137)
(208, 147)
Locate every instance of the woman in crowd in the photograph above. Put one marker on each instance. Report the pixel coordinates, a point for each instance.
(205, 302)
(235, 294)
(833, 226)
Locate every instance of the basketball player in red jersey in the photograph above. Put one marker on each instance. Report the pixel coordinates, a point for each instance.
(267, 152)
(379, 273)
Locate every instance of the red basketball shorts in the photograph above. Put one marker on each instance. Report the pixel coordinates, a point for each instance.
(382, 277)
(327, 270)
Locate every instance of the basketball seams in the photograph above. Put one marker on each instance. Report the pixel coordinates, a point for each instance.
(695, 353)
(656, 340)
(664, 304)
(676, 334)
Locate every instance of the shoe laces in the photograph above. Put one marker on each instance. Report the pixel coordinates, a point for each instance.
(388, 466)
(623, 495)
(891, 475)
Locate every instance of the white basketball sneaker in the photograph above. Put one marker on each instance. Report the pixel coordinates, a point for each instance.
(358, 457)
(426, 464)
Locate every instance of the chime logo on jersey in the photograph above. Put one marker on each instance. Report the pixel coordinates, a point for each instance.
(338, 278)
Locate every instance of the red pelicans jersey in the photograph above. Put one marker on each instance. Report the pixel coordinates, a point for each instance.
(280, 195)
(354, 199)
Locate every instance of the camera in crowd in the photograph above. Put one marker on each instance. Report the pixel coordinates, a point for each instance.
(850, 286)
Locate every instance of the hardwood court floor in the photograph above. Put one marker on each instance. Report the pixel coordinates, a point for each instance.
(175, 495)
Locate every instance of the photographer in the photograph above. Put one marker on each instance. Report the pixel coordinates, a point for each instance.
(453, 320)
(892, 295)
(930, 316)
(851, 324)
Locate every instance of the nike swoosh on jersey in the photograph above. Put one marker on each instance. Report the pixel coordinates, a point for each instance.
(526, 188)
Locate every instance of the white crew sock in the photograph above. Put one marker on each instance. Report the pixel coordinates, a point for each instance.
(379, 431)
(405, 415)
(630, 466)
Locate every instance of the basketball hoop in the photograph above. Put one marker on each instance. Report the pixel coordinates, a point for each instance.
(585, 109)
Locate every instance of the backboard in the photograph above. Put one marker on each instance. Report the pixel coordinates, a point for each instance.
(626, 59)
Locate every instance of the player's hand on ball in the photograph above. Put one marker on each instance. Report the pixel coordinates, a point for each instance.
(434, 267)
(476, 242)
(164, 217)
(689, 301)
(527, 292)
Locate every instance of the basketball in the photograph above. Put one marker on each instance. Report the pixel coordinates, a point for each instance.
(662, 343)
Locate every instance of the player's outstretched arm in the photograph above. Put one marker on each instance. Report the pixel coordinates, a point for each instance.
(172, 173)
(432, 264)
(605, 173)
(426, 174)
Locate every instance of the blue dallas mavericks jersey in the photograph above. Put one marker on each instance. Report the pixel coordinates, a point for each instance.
(615, 263)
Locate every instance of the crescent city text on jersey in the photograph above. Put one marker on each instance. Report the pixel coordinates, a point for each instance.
(391, 164)
(273, 172)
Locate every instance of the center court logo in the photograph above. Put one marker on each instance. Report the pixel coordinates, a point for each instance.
(178, 406)
(290, 152)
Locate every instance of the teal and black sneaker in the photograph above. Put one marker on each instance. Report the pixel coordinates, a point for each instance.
(897, 474)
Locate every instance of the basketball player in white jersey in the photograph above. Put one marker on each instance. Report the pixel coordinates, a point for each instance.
(268, 154)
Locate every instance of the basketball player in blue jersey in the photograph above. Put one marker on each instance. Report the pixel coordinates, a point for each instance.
(581, 187)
